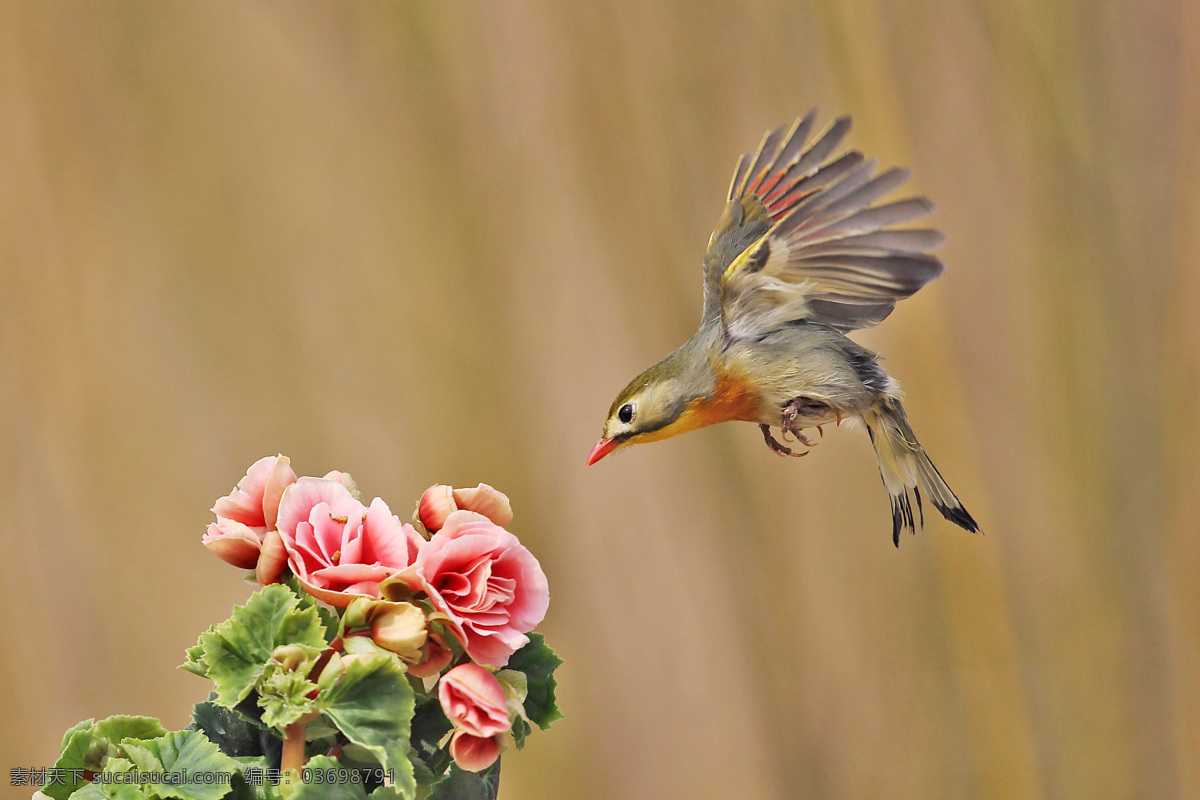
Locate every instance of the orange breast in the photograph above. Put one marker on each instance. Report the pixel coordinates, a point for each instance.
(736, 398)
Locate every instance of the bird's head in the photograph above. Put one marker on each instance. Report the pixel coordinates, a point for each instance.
(648, 409)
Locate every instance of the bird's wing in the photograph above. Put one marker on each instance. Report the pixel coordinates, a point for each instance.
(757, 175)
(822, 249)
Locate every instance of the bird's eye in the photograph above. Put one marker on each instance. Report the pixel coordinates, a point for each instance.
(626, 413)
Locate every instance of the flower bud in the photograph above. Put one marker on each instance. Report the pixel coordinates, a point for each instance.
(356, 613)
(436, 504)
(290, 656)
(398, 627)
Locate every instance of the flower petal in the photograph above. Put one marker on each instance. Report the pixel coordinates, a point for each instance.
(385, 540)
(346, 574)
(273, 560)
(298, 500)
(473, 753)
(245, 503)
(483, 499)
(280, 478)
(233, 542)
(335, 598)
(461, 521)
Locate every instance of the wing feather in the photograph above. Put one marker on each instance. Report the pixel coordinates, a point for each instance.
(739, 174)
(830, 254)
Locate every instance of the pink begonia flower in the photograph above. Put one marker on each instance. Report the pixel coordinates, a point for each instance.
(249, 512)
(490, 587)
(474, 700)
(338, 548)
(475, 704)
(474, 753)
(440, 501)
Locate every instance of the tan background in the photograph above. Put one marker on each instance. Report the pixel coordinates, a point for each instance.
(429, 242)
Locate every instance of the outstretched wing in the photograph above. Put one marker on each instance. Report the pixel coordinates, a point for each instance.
(762, 192)
(823, 250)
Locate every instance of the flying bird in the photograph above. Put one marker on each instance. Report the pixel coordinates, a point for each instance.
(803, 254)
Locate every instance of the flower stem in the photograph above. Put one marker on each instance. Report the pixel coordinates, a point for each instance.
(293, 747)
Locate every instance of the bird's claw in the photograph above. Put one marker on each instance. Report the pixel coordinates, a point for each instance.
(789, 426)
(776, 446)
(791, 412)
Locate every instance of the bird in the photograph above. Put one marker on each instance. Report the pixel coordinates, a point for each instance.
(803, 254)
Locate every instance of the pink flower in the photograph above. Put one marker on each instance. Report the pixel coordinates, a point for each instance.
(246, 514)
(473, 753)
(338, 548)
(489, 586)
(440, 501)
(474, 702)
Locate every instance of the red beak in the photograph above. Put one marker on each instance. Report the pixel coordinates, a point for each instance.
(602, 448)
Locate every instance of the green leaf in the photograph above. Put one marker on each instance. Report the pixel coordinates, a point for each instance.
(325, 782)
(195, 659)
(109, 791)
(372, 704)
(138, 757)
(77, 750)
(516, 688)
(237, 650)
(429, 727)
(117, 790)
(89, 791)
(119, 728)
(228, 730)
(538, 662)
(249, 786)
(184, 756)
(520, 730)
(514, 683)
(329, 617)
(463, 785)
(87, 724)
(89, 745)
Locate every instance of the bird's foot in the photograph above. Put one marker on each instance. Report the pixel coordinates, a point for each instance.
(803, 407)
(776, 446)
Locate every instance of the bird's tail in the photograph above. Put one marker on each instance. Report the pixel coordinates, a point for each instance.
(905, 467)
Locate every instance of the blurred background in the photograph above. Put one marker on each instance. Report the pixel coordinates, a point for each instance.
(429, 242)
